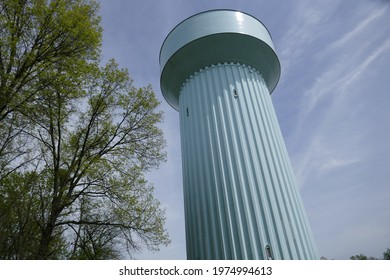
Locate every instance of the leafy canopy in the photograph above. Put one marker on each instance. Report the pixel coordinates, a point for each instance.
(77, 140)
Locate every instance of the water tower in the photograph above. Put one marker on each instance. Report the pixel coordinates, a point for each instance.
(218, 69)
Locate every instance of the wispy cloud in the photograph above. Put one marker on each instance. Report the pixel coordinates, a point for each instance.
(325, 153)
(352, 55)
(340, 76)
(333, 162)
(344, 64)
(359, 28)
(334, 86)
(305, 20)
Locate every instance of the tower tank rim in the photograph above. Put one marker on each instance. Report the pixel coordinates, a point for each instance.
(205, 12)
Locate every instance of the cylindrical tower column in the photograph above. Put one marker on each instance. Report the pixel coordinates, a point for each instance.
(218, 69)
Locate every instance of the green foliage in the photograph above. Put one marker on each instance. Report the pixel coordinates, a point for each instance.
(23, 206)
(38, 38)
(362, 257)
(386, 254)
(17, 227)
(77, 140)
(42, 43)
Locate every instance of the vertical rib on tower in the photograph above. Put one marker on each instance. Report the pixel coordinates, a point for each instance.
(241, 200)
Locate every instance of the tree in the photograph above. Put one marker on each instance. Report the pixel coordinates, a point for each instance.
(88, 136)
(94, 167)
(22, 211)
(17, 227)
(386, 254)
(38, 36)
(362, 257)
(93, 150)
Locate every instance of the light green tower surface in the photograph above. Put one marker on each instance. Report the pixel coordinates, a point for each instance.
(218, 69)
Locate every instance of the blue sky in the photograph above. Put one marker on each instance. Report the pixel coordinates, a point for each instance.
(332, 102)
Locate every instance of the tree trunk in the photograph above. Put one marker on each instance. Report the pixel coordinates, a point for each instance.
(43, 252)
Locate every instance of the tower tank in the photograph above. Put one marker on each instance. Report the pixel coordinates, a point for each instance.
(218, 69)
